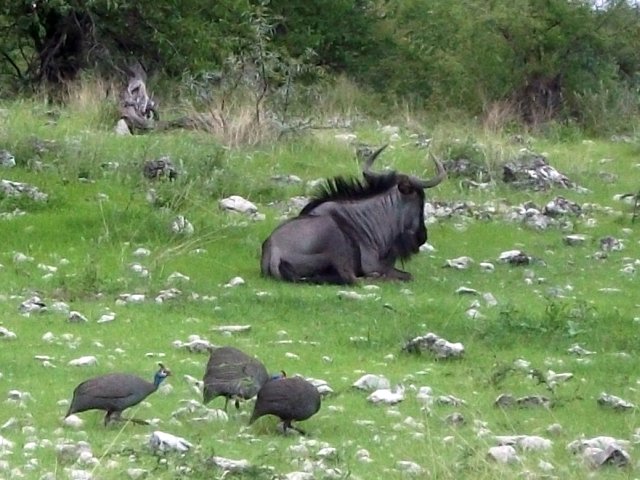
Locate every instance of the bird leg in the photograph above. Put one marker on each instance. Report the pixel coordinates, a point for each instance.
(287, 424)
(111, 416)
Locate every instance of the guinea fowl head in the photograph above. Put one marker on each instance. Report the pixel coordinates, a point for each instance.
(279, 375)
(161, 375)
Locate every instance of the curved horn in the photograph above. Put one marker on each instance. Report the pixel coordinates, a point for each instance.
(432, 182)
(366, 168)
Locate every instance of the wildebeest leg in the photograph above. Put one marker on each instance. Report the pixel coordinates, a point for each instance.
(226, 402)
(397, 274)
(317, 268)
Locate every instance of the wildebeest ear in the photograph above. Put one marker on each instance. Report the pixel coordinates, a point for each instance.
(405, 186)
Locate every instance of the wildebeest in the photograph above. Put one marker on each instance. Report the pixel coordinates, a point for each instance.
(352, 228)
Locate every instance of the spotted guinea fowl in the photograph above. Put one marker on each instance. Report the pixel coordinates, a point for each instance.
(233, 374)
(114, 393)
(290, 399)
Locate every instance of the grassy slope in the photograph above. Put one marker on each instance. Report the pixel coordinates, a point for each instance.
(99, 236)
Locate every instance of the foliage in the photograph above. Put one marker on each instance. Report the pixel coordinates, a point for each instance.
(541, 60)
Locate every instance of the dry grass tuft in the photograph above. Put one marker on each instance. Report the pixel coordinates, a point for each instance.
(499, 115)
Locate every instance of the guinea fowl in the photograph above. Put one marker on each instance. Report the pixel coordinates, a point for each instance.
(289, 399)
(233, 374)
(114, 393)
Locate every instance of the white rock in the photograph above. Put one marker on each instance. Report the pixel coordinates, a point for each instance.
(132, 297)
(107, 317)
(235, 282)
(346, 137)
(5, 444)
(73, 421)
(141, 252)
(232, 328)
(614, 402)
(228, 465)
(371, 382)
(122, 128)
(503, 454)
(177, 277)
(180, 225)
(6, 334)
(75, 474)
(136, 473)
(20, 257)
(32, 305)
(410, 468)
(299, 476)
(487, 266)
(327, 452)
(48, 337)
(460, 263)
(85, 361)
(236, 203)
(553, 377)
(60, 307)
(76, 317)
(390, 129)
(7, 160)
(534, 443)
(387, 396)
(163, 442)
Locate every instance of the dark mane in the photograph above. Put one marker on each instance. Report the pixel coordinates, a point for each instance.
(339, 189)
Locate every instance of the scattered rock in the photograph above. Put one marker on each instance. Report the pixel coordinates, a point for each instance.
(17, 189)
(181, 226)
(77, 317)
(236, 203)
(503, 454)
(163, 442)
(371, 382)
(228, 465)
(515, 257)
(574, 240)
(160, 168)
(32, 305)
(6, 334)
(617, 403)
(387, 396)
(7, 160)
(431, 342)
(460, 263)
(234, 282)
(86, 361)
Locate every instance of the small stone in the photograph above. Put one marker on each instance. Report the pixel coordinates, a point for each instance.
(236, 203)
(503, 454)
(616, 403)
(86, 361)
(180, 225)
(235, 282)
(76, 317)
(371, 382)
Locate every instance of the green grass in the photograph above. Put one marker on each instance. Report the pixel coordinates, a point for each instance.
(97, 224)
